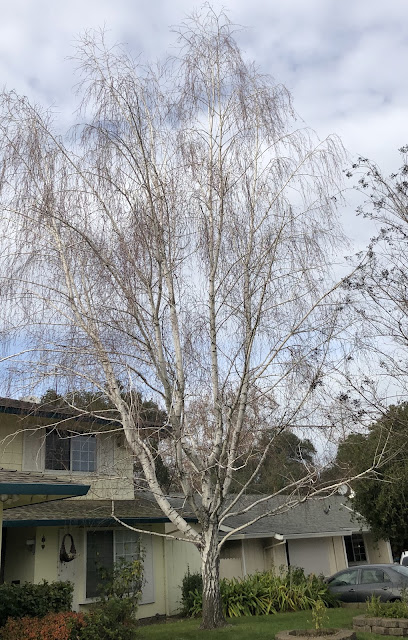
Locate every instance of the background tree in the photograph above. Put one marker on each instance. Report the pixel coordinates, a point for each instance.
(177, 244)
(381, 497)
(379, 287)
(289, 459)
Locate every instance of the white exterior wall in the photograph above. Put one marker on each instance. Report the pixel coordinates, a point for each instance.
(170, 561)
(231, 560)
(275, 557)
(11, 442)
(22, 447)
(338, 559)
(180, 557)
(21, 566)
(311, 554)
(378, 551)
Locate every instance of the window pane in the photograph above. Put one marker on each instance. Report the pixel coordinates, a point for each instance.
(83, 451)
(99, 555)
(127, 549)
(358, 547)
(127, 545)
(345, 578)
(369, 576)
(57, 450)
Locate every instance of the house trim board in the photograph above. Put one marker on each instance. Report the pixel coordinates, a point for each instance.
(37, 488)
(86, 522)
(295, 536)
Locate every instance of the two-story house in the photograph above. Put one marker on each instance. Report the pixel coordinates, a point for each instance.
(64, 454)
(71, 539)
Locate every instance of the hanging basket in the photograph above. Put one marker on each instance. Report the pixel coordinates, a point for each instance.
(67, 556)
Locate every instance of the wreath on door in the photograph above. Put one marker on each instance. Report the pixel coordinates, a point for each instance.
(67, 556)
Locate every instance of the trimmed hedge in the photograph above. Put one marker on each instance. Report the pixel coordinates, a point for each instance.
(34, 600)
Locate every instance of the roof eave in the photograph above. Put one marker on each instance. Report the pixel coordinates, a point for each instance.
(37, 488)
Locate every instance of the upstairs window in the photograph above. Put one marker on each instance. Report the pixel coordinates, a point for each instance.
(67, 451)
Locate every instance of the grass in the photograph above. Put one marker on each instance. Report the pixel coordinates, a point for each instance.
(251, 628)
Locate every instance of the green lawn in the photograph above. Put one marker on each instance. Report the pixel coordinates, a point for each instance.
(255, 628)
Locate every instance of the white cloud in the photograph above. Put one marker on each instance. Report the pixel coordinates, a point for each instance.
(344, 61)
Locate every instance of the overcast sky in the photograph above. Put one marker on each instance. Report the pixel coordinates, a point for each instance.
(344, 61)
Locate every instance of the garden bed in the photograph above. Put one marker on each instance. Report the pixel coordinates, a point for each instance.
(382, 626)
(316, 634)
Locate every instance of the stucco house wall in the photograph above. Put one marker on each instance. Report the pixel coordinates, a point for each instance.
(378, 551)
(170, 561)
(113, 477)
(179, 557)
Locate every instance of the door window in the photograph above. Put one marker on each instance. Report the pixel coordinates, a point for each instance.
(344, 579)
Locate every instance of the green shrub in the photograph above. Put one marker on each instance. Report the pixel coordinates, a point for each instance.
(191, 586)
(113, 616)
(377, 609)
(265, 593)
(319, 614)
(110, 620)
(18, 601)
(123, 581)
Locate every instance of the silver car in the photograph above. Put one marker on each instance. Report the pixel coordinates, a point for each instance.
(356, 584)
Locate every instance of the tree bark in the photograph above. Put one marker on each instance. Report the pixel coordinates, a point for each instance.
(213, 616)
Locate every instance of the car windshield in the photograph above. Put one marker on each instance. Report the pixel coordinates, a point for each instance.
(400, 569)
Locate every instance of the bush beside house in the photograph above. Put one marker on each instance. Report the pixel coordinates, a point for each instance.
(42, 612)
(260, 594)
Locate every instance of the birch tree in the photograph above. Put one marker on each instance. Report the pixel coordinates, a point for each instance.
(379, 287)
(177, 243)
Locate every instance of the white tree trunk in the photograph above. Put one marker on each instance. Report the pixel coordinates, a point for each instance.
(210, 566)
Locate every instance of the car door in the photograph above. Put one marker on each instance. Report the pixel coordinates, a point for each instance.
(344, 585)
(374, 581)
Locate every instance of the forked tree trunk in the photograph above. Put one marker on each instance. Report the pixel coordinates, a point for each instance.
(210, 566)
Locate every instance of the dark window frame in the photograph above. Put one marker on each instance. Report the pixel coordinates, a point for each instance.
(69, 451)
(355, 549)
(105, 547)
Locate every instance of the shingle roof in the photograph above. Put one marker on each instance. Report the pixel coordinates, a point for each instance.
(20, 481)
(142, 508)
(100, 417)
(48, 410)
(313, 517)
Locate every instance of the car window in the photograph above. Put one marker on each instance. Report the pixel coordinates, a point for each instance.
(344, 579)
(369, 576)
(399, 569)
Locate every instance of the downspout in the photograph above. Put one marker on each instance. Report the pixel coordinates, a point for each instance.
(165, 581)
(244, 571)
